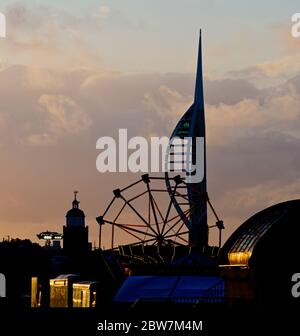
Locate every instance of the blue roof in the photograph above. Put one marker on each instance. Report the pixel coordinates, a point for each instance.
(169, 288)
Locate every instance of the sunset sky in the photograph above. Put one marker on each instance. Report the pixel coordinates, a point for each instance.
(73, 71)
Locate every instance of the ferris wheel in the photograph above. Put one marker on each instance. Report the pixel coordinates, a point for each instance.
(169, 209)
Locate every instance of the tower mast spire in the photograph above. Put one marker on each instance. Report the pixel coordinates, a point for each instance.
(198, 235)
(198, 98)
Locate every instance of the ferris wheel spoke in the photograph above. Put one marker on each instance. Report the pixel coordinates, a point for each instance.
(178, 231)
(109, 205)
(178, 235)
(130, 228)
(119, 213)
(178, 194)
(137, 196)
(185, 240)
(131, 185)
(132, 234)
(138, 214)
(169, 207)
(158, 210)
(152, 206)
(174, 225)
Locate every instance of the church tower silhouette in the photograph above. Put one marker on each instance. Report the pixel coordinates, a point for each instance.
(75, 232)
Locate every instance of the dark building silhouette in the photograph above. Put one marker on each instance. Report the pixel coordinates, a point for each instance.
(75, 231)
(262, 255)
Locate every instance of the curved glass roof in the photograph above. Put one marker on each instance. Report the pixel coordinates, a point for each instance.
(241, 244)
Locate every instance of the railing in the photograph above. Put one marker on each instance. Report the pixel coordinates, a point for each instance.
(216, 293)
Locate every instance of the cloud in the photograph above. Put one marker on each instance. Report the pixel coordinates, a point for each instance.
(168, 104)
(43, 79)
(250, 199)
(103, 12)
(285, 40)
(250, 117)
(281, 69)
(52, 113)
(274, 70)
(64, 117)
(55, 38)
(49, 37)
(228, 91)
(51, 120)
